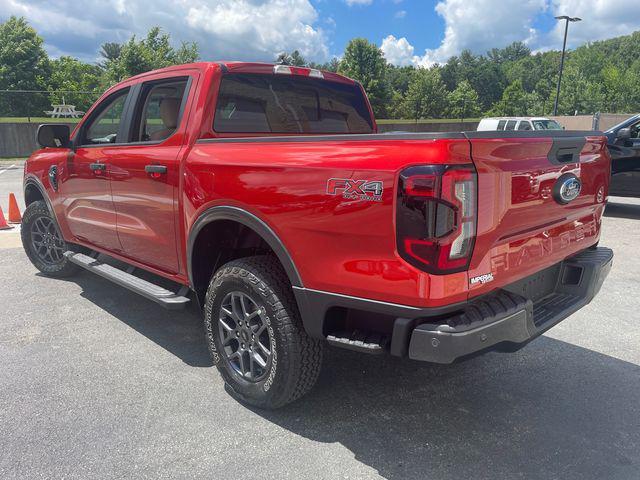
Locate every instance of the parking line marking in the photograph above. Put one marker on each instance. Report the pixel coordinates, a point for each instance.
(7, 169)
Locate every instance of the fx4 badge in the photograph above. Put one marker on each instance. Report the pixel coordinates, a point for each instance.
(355, 189)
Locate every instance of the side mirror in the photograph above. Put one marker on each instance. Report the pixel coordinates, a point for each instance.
(623, 134)
(53, 135)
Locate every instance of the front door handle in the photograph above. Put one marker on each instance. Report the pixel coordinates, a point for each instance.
(158, 169)
(98, 166)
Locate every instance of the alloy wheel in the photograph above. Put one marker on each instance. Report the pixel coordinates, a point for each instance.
(245, 337)
(46, 241)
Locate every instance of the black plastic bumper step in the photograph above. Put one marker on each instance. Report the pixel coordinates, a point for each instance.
(506, 320)
(367, 342)
(166, 298)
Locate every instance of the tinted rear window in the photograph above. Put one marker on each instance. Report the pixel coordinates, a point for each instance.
(255, 103)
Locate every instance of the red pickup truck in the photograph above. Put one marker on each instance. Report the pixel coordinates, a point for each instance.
(265, 194)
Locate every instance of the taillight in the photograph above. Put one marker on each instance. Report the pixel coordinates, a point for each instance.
(436, 217)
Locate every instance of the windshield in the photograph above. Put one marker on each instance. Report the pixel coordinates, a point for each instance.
(257, 103)
(546, 125)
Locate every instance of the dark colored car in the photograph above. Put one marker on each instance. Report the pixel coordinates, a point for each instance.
(624, 146)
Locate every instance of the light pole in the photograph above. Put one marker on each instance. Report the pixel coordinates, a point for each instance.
(567, 19)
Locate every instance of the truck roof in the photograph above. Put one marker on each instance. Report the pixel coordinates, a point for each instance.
(245, 67)
(516, 118)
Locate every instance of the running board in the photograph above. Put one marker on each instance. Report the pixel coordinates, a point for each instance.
(168, 299)
(359, 341)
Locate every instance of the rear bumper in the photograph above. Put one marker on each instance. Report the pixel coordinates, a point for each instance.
(509, 318)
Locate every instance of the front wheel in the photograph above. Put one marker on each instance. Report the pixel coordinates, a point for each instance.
(255, 334)
(43, 242)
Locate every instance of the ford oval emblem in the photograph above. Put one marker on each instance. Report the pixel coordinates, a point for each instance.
(567, 188)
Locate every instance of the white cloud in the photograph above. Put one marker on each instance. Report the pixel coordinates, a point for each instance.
(400, 14)
(224, 29)
(351, 3)
(398, 51)
(481, 25)
(261, 27)
(601, 19)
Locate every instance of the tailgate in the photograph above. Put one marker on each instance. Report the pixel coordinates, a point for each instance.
(541, 196)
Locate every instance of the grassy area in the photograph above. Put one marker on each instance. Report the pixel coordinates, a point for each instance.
(38, 120)
(426, 120)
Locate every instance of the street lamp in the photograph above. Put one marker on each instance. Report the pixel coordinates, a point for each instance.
(567, 19)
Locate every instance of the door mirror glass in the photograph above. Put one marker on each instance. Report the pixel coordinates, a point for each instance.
(624, 134)
(53, 135)
(104, 125)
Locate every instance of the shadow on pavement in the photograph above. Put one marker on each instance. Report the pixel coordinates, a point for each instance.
(622, 210)
(552, 410)
(180, 333)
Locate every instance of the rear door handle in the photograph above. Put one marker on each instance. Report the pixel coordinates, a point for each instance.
(155, 169)
(98, 166)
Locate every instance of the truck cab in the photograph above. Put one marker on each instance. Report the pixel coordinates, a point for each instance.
(518, 124)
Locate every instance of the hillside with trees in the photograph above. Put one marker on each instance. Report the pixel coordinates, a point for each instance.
(601, 76)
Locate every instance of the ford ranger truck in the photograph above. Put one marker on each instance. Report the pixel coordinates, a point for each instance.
(263, 195)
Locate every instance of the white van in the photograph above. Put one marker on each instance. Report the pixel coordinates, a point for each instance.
(518, 123)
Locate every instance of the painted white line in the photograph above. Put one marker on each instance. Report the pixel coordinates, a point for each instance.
(7, 169)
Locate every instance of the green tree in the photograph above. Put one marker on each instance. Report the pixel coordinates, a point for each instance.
(514, 101)
(463, 102)
(24, 65)
(363, 61)
(426, 96)
(154, 51)
(294, 58)
(110, 51)
(70, 80)
(511, 53)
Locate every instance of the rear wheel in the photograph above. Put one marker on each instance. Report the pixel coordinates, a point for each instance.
(43, 242)
(255, 334)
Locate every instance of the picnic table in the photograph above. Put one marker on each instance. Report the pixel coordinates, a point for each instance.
(64, 111)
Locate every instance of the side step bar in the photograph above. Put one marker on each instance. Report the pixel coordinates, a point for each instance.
(168, 299)
(359, 341)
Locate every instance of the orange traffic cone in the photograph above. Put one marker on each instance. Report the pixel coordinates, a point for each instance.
(14, 211)
(3, 222)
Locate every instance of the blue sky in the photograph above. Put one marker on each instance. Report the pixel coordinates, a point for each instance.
(377, 20)
(410, 32)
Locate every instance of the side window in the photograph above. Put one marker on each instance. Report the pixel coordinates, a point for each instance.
(501, 124)
(635, 131)
(159, 109)
(524, 125)
(103, 128)
(511, 125)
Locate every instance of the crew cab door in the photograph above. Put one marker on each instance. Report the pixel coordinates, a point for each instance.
(625, 171)
(145, 174)
(84, 182)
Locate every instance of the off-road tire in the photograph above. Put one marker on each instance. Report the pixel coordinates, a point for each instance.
(296, 357)
(57, 267)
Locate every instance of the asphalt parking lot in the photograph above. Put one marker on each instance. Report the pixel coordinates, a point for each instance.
(96, 382)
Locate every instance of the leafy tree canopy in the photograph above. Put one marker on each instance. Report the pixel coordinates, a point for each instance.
(600, 76)
(364, 61)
